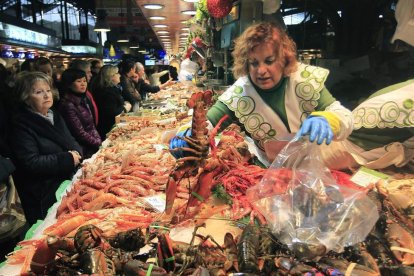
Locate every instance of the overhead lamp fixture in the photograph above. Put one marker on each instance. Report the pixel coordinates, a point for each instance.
(191, 1)
(157, 17)
(101, 24)
(160, 26)
(163, 32)
(189, 12)
(185, 29)
(164, 36)
(122, 40)
(184, 34)
(184, 21)
(134, 47)
(153, 6)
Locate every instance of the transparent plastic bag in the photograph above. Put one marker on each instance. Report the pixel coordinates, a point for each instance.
(304, 206)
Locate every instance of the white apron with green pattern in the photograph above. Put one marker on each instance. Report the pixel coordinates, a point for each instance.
(394, 109)
(260, 121)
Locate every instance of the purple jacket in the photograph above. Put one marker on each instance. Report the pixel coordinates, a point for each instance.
(78, 117)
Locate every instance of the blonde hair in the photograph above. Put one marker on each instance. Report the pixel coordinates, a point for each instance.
(104, 78)
(284, 47)
(25, 81)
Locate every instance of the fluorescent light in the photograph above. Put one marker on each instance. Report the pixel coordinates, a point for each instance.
(160, 26)
(164, 36)
(189, 12)
(185, 29)
(153, 6)
(191, 1)
(134, 47)
(163, 32)
(157, 17)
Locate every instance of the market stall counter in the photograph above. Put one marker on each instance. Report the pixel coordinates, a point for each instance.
(134, 209)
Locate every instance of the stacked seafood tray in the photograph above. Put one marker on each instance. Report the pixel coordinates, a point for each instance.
(133, 209)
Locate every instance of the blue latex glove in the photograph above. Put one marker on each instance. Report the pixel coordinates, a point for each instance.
(317, 128)
(179, 143)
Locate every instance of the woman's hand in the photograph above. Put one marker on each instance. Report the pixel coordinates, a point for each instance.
(317, 128)
(167, 83)
(76, 157)
(127, 106)
(176, 143)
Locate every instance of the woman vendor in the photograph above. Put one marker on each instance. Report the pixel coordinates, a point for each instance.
(275, 95)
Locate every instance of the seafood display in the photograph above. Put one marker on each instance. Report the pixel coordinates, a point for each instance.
(121, 215)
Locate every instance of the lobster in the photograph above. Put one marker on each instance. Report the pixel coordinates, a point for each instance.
(181, 258)
(195, 163)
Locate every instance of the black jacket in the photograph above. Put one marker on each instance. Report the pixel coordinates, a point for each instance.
(40, 153)
(145, 88)
(110, 104)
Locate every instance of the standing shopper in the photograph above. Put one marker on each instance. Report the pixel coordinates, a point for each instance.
(275, 95)
(129, 93)
(142, 86)
(86, 67)
(108, 98)
(76, 110)
(12, 219)
(44, 151)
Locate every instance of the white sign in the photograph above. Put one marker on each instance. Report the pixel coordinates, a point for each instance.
(17, 33)
(365, 176)
(79, 49)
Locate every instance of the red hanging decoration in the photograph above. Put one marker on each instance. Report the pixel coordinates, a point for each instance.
(219, 8)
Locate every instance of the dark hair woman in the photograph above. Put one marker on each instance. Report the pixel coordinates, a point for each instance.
(75, 109)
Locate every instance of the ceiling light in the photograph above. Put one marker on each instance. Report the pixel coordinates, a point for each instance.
(189, 12)
(184, 21)
(191, 1)
(164, 36)
(134, 47)
(163, 32)
(101, 24)
(160, 26)
(185, 29)
(157, 17)
(153, 6)
(184, 34)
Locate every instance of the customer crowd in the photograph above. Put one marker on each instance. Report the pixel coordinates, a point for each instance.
(51, 120)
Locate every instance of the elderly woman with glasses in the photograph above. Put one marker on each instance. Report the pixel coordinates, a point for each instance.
(44, 151)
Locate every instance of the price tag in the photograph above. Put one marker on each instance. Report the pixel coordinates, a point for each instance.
(365, 176)
(157, 202)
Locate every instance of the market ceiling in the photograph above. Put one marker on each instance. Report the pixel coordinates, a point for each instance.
(147, 28)
(168, 21)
